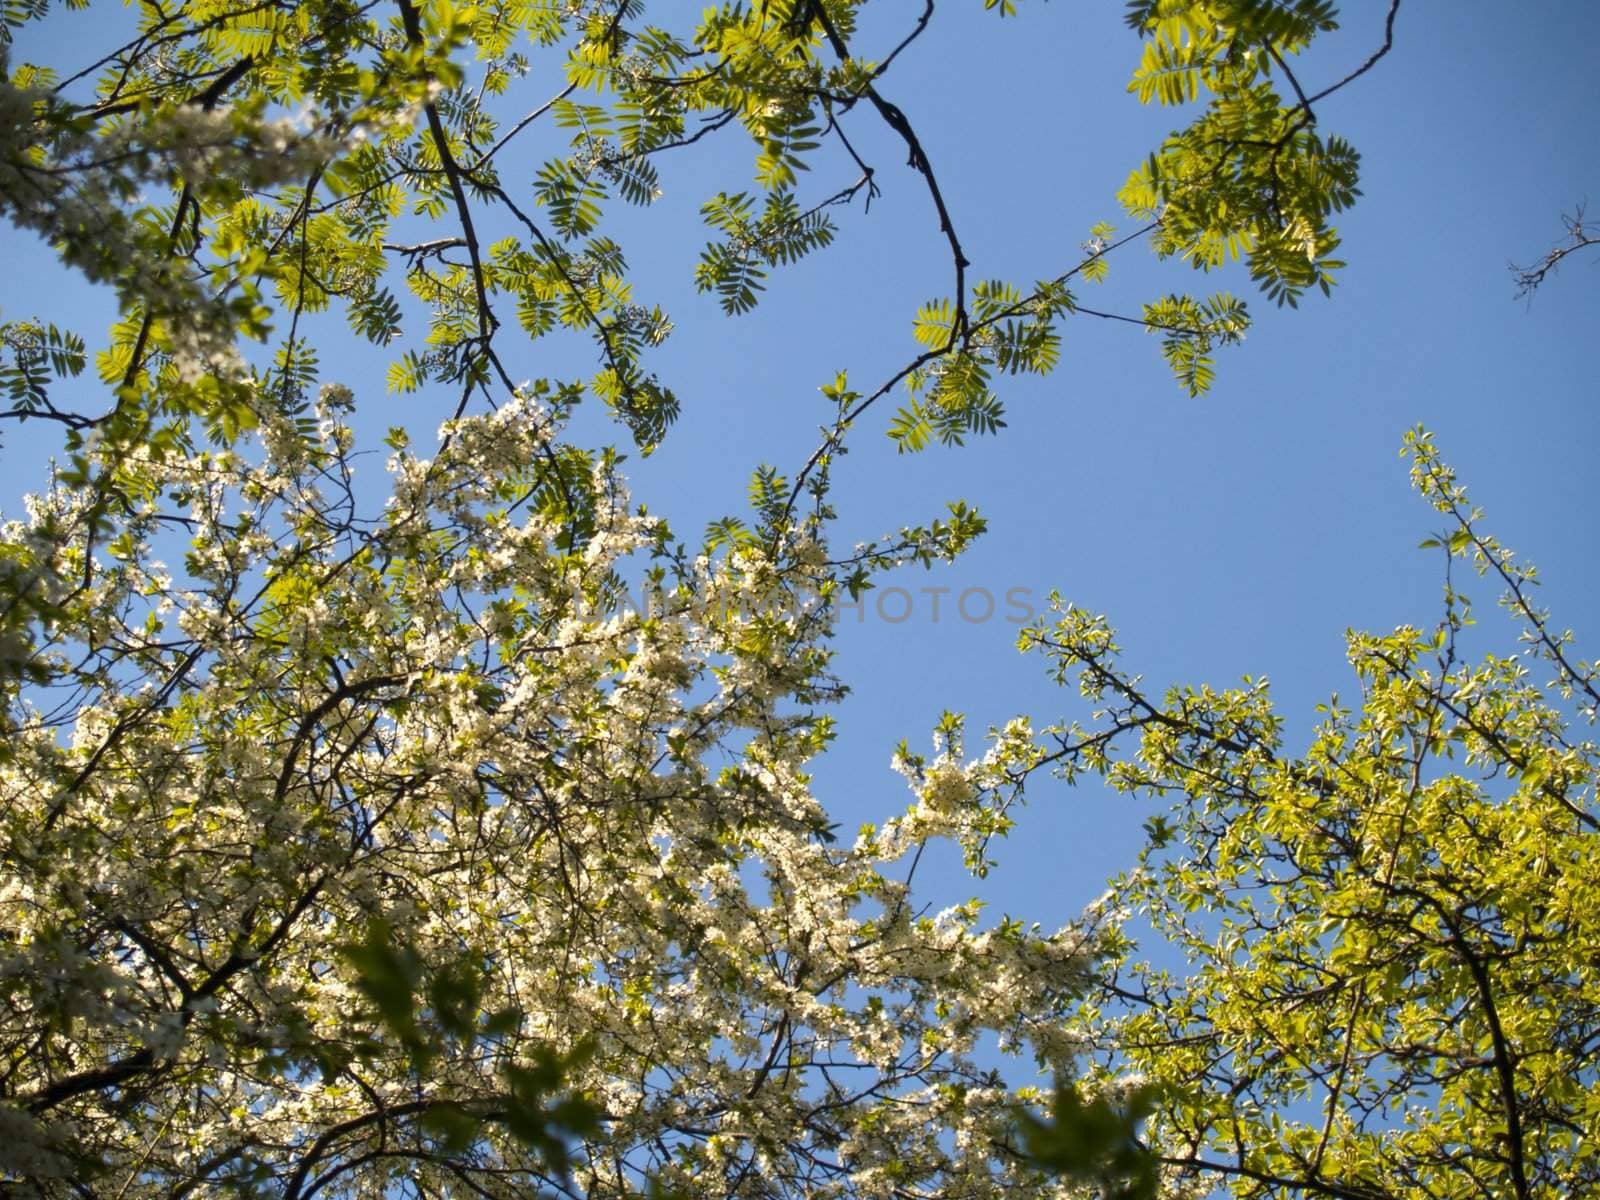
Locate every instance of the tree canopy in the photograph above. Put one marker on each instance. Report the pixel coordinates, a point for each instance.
(1389, 984)
(461, 840)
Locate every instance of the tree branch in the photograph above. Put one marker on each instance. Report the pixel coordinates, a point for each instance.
(1529, 278)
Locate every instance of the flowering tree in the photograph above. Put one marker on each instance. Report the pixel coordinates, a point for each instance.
(360, 844)
(437, 723)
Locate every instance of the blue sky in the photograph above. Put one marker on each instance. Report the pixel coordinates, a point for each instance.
(1240, 533)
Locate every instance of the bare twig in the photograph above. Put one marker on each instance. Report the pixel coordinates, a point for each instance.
(1578, 238)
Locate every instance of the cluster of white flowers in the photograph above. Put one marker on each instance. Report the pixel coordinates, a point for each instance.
(946, 788)
(33, 1150)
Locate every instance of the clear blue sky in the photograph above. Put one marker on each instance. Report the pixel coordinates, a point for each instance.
(1241, 533)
